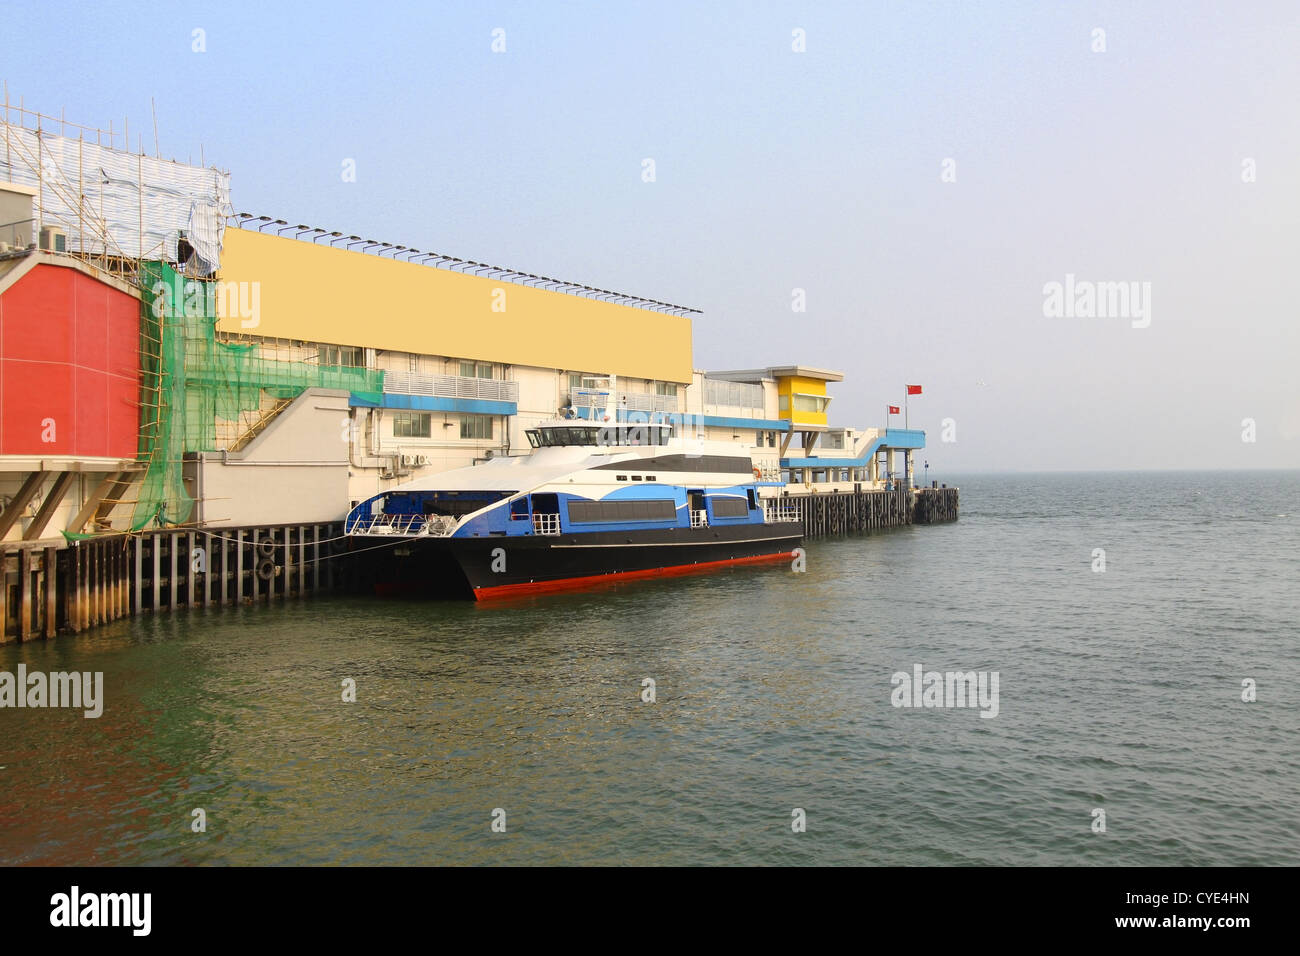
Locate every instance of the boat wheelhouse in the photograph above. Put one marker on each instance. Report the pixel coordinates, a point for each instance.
(588, 502)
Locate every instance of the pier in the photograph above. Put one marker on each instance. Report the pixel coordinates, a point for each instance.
(248, 389)
(823, 513)
(101, 580)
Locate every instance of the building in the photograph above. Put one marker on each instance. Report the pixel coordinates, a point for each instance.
(167, 364)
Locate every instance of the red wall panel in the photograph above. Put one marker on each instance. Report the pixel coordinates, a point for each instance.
(68, 352)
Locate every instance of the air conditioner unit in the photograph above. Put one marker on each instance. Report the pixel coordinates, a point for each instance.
(408, 461)
(421, 460)
(53, 240)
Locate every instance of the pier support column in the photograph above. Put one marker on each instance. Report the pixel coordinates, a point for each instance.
(137, 580)
(51, 589)
(155, 546)
(71, 609)
(174, 540)
(24, 594)
(239, 566)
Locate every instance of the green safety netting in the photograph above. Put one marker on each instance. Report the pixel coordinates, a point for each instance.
(190, 381)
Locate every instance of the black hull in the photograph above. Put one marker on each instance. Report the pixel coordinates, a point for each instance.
(502, 566)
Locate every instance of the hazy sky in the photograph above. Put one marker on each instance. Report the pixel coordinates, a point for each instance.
(778, 170)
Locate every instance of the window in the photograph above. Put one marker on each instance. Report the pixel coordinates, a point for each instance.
(784, 403)
(532, 438)
(659, 509)
(413, 362)
(339, 355)
(475, 369)
(666, 388)
(476, 426)
(729, 507)
(810, 403)
(759, 441)
(632, 435)
(752, 498)
(411, 424)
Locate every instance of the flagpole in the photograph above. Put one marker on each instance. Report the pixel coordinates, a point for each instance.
(906, 392)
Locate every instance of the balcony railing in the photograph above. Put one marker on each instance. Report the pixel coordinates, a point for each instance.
(450, 386)
(630, 401)
(699, 519)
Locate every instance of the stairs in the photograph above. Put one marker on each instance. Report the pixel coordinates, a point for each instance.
(259, 426)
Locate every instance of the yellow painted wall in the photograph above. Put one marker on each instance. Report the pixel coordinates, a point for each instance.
(319, 294)
(787, 387)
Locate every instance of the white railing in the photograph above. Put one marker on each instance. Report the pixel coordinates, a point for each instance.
(774, 512)
(546, 523)
(699, 519)
(399, 524)
(450, 386)
(629, 401)
(733, 394)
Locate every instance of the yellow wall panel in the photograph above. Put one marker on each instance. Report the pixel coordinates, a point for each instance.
(320, 294)
(788, 386)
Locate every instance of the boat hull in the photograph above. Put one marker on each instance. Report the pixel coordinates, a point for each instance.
(497, 566)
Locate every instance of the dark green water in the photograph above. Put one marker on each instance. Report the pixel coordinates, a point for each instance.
(1119, 691)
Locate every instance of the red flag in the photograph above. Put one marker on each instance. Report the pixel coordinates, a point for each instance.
(914, 390)
(895, 410)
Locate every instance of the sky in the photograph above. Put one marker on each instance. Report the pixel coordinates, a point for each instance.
(922, 173)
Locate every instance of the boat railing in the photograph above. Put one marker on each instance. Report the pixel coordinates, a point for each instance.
(402, 524)
(546, 523)
(699, 519)
(774, 513)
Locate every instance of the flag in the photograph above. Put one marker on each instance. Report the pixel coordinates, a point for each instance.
(914, 390)
(895, 410)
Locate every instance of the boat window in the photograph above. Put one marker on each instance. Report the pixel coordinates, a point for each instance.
(651, 478)
(532, 437)
(729, 507)
(636, 477)
(647, 510)
(621, 477)
(519, 509)
(753, 503)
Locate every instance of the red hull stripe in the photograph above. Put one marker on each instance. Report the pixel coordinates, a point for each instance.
(573, 584)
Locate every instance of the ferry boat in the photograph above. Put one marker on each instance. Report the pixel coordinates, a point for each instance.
(588, 504)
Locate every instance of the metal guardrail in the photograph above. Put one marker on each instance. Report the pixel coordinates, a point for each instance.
(699, 519)
(546, 523)
(450, 386)
(775, 513)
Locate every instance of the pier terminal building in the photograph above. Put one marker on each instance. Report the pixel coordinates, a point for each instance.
(165, 362)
